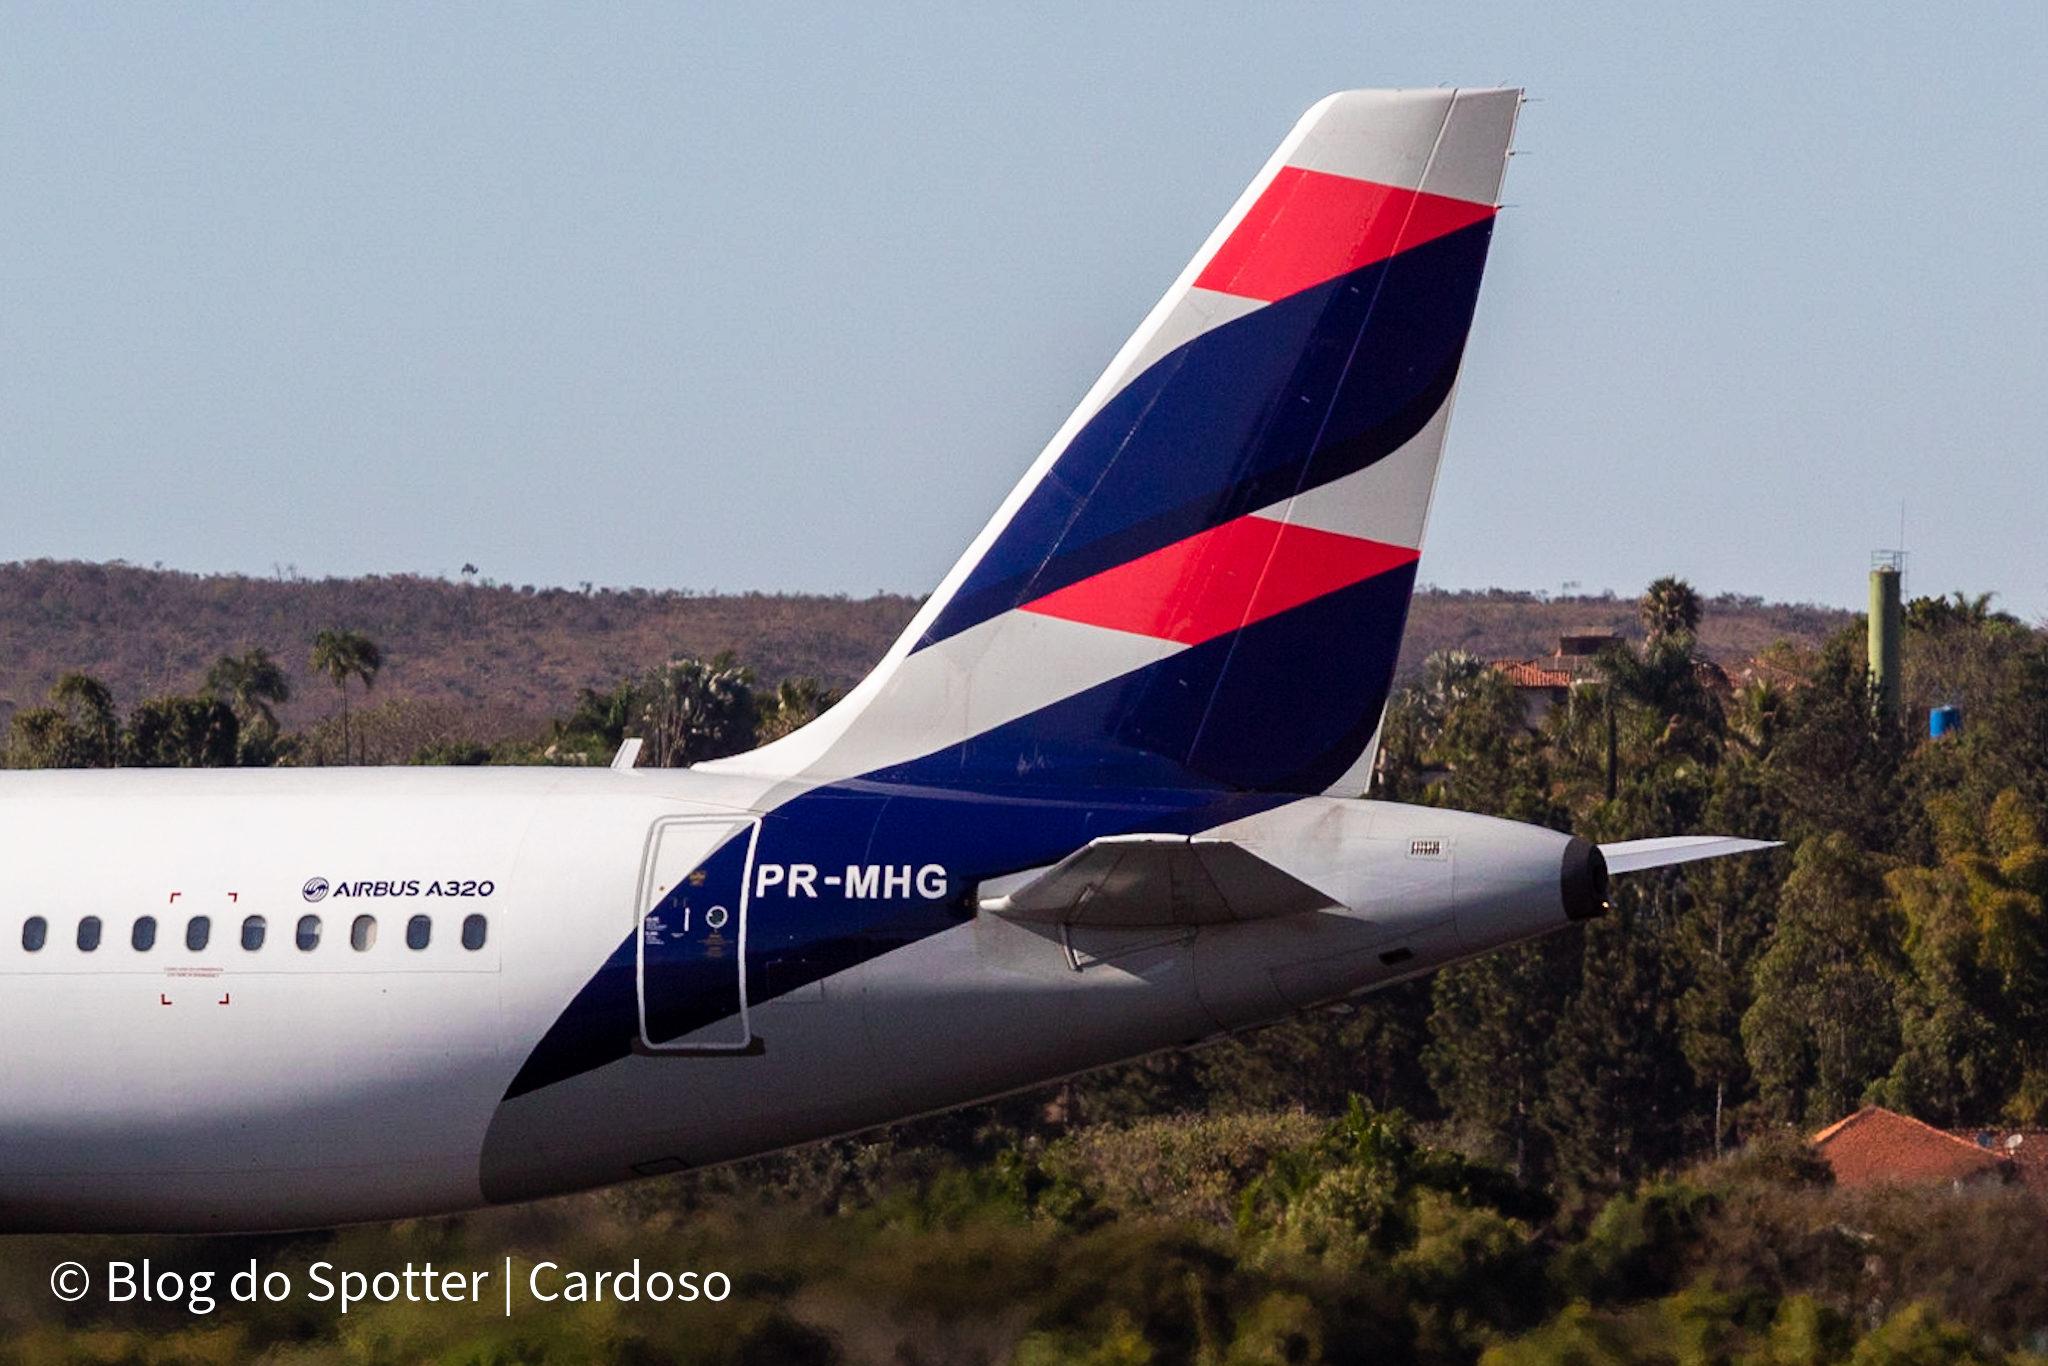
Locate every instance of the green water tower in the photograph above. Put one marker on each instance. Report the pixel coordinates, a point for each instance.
(1887, 626)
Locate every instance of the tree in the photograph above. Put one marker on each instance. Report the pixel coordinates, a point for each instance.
(40, 737)
(250, 683)
(1956, 611)
(795, 703)
(342, 655)
(1449, 677)
(692, 710)
(1318, 1061)
(183, 732)
(1677, 717)
(1824, 1025)
(686, 711)
(1974, 1005)
(1456, 737)
(1488, 1055)
(1496, 767)
(1671, 607)
(1413, 727)
(1954, 1059)
(1997, 672)
(1614, 1099)
(79, 729)
(1719, 935)
(1758, 714)
(604, 716)
(1835, 762)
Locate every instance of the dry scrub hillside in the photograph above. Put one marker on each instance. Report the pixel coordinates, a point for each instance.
(1499, 624)
(524, 652)
(507, 650)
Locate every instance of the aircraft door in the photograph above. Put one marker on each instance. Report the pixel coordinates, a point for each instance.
(692, 967)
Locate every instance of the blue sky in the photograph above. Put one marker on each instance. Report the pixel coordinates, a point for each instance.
(786, 297)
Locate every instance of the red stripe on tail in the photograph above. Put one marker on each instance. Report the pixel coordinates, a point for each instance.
(1310, 226)
(1221, 580)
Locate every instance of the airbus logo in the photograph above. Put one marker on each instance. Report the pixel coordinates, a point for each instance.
(318, 889)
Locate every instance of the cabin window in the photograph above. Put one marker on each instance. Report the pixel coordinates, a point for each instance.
(363, 933)
(198, 930)
(252, 933)
(309, 933)
(418, 931)
(34, 931)
(143, 936)
(474, 930)
(88, 934)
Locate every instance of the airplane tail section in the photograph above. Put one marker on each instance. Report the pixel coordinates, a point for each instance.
(1203, 579)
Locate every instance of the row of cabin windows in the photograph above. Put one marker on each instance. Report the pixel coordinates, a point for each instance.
(362, 933)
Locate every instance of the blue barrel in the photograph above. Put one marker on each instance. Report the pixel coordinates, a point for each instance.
(1944, 721)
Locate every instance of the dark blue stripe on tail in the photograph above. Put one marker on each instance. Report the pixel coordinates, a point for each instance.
(1284, 705)
(1306, 390)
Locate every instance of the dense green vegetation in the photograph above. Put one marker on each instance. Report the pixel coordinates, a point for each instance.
(1587, 1149)
(1214, 1237)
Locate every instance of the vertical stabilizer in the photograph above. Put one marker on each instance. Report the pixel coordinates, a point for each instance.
(1203, 579)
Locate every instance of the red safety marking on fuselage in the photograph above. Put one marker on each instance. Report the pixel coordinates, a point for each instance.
(1221, 580)
(1310, 226)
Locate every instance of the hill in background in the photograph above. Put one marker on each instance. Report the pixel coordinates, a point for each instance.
(514, 652)
(1501, 624)
(520, 654)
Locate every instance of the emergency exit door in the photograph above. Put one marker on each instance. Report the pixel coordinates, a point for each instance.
(692, 955)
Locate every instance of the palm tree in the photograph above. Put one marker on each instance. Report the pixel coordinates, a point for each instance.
(1449, 677)
(795, 703)
(90, 708)
(343, 655)
(1935, 616)
(250, 682)
(1758, 717)
(1671, 607)
(79, 729)
(692, 710)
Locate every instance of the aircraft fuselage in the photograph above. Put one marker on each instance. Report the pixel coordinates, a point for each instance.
(472, 986)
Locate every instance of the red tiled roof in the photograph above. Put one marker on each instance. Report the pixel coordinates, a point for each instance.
(1876, 1147)
(1529, 673)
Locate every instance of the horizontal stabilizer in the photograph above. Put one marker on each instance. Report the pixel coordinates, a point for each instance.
(1632, 856)
(1132, 881)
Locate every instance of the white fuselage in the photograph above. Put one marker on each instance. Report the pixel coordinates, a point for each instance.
(282, 1086)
